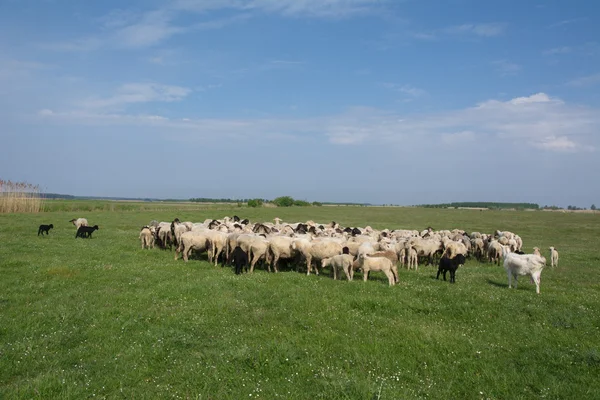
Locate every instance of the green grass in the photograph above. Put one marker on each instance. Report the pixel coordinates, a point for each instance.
(104, 318)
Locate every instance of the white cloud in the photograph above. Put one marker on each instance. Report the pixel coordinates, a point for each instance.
(506, 68)
(314, 8)
(484, 30)
(539, 120)
(557, 50)
(585, 81)
(406, 89)
(554, 143)
(140, 93)
(469, 30)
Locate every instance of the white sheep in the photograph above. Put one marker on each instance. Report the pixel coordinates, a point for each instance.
(413, 259)
(193, 240)
(147, 237)
(79, 222)
(317, 250)
(280, 247)
(523, 264)
(341, 261)
(383, 264)
(536, 251)
(259, 248)
(553, 257)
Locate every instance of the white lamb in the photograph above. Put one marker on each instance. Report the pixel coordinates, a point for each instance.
(553, 257)
(523, 264)
(341, 261)
(383, 264)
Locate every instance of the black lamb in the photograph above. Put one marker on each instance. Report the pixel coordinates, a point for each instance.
(450, 264)
(85, 231)
(44, 228)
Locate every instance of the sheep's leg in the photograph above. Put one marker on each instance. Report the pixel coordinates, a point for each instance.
(509, 279)
(452, 276)
(537, 279)
(308, 264)
(390, 276)
(445, 274)
(275, 259)
(365, 275)
(253, 262)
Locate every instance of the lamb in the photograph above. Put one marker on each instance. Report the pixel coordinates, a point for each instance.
(450, 264)
(85, 231)
(526, 264)
(44, 228)
(79, 222)
(341, 261)
(413, 259)
(239, 258)
(536, 251)
(553, 257)
(147, 237)
(383, 264)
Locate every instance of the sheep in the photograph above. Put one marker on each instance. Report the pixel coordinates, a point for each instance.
(79, 222)
(413, 259)
(426, 247)
(382, 264)
(553, 257)
(239, 258)
(147, 237)
(536, 251)
(450, 264)
(318, 250)
(44, 228)
(85, 231)
(218, 243)
(280, 247)
(526, 264)
(494, 251)
(341, 261)
(453, 248)
(259, 248)
(193, 240)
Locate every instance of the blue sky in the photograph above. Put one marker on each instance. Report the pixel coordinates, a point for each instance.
(402, 102)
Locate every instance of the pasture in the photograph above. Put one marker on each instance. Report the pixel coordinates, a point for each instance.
(102, 318)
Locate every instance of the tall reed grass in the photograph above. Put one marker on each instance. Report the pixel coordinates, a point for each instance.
(20, 197)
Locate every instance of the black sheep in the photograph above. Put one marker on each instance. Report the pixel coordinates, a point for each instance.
(86, 231)
(239, 258)
(450, 264)
(44, 228)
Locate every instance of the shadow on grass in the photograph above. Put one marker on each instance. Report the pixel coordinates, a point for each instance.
(497, 284)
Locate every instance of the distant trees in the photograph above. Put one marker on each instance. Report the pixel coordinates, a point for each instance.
(255, 203)
(288, 201)
(593, 207)
(485, 204)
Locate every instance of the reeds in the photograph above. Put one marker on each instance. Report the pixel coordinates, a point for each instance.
(20, 197)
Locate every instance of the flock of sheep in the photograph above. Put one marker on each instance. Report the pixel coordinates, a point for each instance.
(346, 250)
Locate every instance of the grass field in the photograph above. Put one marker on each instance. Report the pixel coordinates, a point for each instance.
(103, 318)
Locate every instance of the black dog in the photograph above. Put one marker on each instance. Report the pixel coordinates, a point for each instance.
(44, 228)
(85, 231)
(450, 264)
(239, 259)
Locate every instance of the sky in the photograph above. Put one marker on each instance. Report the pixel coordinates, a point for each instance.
(371, 101)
